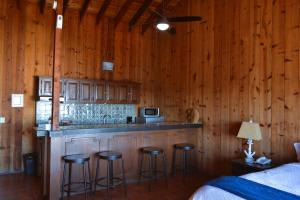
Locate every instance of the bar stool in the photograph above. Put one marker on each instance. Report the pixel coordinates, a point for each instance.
(82, 160)
(152, 173)
(185, 148)
(111, 180)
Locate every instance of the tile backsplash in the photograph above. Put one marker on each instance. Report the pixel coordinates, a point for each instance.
(86, 113)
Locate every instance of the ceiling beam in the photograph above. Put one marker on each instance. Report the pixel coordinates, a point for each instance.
(139, 13)
(83, 9)
(42, 6)
(65, 6)
(57, 61)
(149, 21)
(122, 12)
(102, 10)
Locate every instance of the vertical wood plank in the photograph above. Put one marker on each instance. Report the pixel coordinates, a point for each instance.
(291, 83)
(57, 68)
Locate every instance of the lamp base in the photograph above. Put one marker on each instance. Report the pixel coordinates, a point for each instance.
(249, 160)
(249, 153)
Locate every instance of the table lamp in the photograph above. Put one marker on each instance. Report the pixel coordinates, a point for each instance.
(250, 131)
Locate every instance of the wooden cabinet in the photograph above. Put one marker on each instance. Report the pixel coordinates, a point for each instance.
(92, 91)
(123, 91)
(134, 93)
(45, 87)
(240, 167)
(99, 92)
(111, 92)
(72, 91)
(86, 91)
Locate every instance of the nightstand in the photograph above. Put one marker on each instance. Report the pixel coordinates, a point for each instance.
(240, 167)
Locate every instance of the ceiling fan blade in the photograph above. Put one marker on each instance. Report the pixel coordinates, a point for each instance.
(172, 31)
(184, 19)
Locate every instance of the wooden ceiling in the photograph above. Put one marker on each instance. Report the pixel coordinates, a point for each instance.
(133, 12)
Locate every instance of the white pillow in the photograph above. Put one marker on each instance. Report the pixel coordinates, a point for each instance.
(297, 148)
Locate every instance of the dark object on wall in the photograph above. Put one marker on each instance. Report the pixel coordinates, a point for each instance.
(30, 163)
(129, 119)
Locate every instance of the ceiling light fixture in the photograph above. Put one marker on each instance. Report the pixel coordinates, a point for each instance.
(163, 25)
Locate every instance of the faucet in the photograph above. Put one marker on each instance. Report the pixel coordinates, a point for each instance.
(105, 118)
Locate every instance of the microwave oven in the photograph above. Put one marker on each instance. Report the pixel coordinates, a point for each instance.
(149, 112)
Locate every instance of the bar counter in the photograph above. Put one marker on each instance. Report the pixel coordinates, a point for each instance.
(113, 128)
(124, 138)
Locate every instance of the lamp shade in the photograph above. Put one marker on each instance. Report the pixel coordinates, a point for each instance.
(250, 130)
(162, 26)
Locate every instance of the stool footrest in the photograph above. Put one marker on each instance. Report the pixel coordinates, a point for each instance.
(153, 174)
(116, 182)
(80, 185)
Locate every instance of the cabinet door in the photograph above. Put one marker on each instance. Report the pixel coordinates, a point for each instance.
(72, 91)
(111, 92)
(123, 90)
(45, 86)
(62, 88)
(86, 91)
(134, 94)
(99, 92)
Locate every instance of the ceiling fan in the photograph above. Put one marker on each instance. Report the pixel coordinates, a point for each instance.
(164, 23)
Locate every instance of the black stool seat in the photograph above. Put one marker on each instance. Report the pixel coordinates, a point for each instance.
(184, 146)
(76, 158)
(152, 150)
(109, 155)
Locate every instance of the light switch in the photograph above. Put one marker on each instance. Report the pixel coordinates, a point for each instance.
(59, 22)
(17, 100)
(2, 120)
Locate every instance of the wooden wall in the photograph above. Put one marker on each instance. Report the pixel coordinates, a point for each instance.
(26, 51)
(241, 62)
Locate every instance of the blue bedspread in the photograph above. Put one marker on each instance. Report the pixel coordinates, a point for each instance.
(250, 190)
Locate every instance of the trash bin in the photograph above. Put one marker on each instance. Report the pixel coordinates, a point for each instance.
(30, 163)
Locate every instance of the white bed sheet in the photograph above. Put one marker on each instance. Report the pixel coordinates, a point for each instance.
(285, 178)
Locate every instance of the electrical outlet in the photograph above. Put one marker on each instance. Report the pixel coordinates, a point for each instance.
(2, 120)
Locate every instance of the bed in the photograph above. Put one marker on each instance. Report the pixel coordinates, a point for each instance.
(285, 178)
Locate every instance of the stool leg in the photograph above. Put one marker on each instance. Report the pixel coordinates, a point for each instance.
(184, 162)
(107, 180)
(90, 179)
(165, 168)
(141, 167)
(84, 180)
(190, 161)
(150, 172)
(194, 161)
(124, 178)
(174, 162)
(96, 177)
(111, 173)
(63, 182)
(70, 179)
(155, 167)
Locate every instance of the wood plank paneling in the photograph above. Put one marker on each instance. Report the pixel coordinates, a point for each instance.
(26, 51)
(242, 62)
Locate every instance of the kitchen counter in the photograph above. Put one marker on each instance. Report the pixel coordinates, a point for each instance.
(124, 138)
(113, 128)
